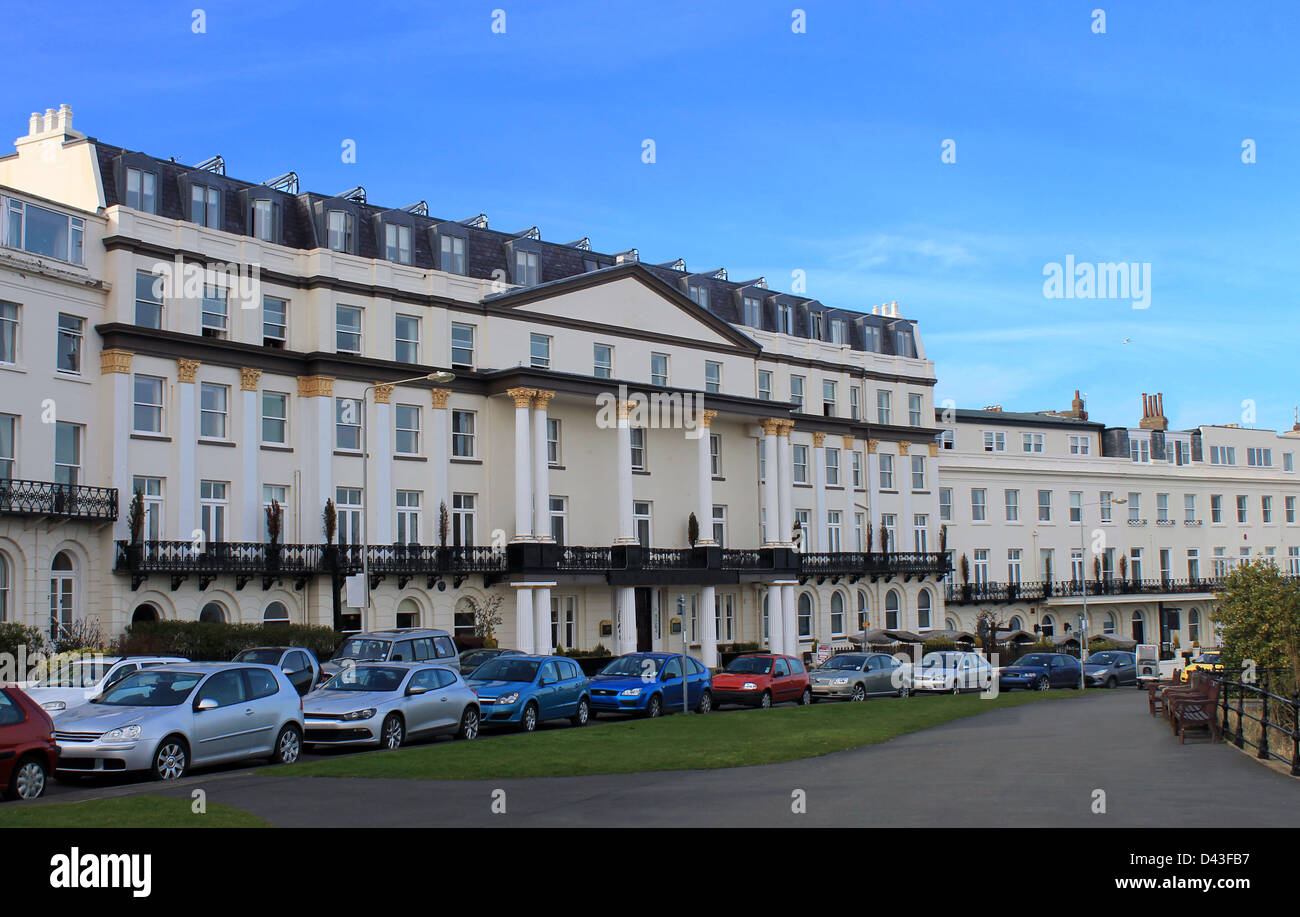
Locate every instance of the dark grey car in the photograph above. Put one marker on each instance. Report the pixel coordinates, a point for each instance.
(857, 676)
(1110, 669)
(421, 644)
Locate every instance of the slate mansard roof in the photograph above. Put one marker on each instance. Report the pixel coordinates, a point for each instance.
(487, 251)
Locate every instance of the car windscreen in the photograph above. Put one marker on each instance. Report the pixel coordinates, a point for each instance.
(1034, 659)
(154, 688)
(844, 662)
(1104, 658)
(503, 668)
(750, 665)
(260, 656)
(74, 675)
(1208, 658)
(363, 648)
(939, 660)
(634, 666)
(366, 678)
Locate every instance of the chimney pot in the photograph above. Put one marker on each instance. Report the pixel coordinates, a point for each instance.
(64, 118)
(34, 123)
(49, 119)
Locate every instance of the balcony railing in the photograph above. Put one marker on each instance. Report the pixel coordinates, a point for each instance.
(50, 498)
(861, 563)
(976, 593)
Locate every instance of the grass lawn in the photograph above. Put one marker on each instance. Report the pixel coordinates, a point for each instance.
(126, 812)
(676, 742)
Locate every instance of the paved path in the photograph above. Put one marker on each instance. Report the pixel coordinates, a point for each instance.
(1034, 765)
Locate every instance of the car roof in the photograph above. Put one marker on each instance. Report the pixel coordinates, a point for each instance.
(205, 668)
(397, 634)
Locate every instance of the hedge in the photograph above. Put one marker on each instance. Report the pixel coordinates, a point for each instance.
(204, 641)
(13, 636)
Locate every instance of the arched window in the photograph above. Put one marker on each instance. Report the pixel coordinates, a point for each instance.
(408, 613)
(892, 606)
(950, 623)
(6, 577)
(63, 592)
(144, 613)
(1194, 626)
(864, 610)
(1108, 623)
(1139, 626)
(213, 613)
(463, 618)
(1049, 626)
(837, 614)
(923, 610)
(276, 613)
(1016, 623)
(805, 614)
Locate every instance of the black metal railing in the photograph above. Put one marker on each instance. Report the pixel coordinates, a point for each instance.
(863, 563)
(1274, 715)
(50, 498)
(966, 593)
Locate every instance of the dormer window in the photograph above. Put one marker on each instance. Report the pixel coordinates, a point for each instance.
(815, 325)
(752, 311)
(342, 228)
(205, 206)
(527, 270)
(263, 220)
(451, 254)
(142, 190)
(397, 243)
(45, 232)
(699, 295)
(785, 319)
(839, 333)
(871, 338)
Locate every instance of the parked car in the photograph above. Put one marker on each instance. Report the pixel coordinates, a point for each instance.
(167, 719)
(525, 690)
(761, 680)
(472, 659)
(76, 681)
(857, 676)
(953, 672)
(413, 645)
(1210, 661)
(1110, 668)
(1040, 671)
(650, 684)
(387, 703)
(298, 664)
(28, 753)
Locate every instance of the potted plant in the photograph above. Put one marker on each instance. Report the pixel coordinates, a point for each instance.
(274, 524)
(692, 530)
(1096, 573)
(1047, 576)
(885, 546)
(444, 528)
(1123, 568)
(135, 524)
(965, 578)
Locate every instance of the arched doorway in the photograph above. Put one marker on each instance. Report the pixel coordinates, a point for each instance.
(145, 613)
(408, 613)
(213, 613)
(63, 593)
(1139, 626)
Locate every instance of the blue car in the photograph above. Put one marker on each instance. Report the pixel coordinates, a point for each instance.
(650, 684)
(1040, 671)
(522, 691)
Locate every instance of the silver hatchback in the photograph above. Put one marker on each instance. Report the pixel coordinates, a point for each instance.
(168, 719)
(384, 703)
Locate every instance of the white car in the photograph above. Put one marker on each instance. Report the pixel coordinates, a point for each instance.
(76, 681)
(952, 672)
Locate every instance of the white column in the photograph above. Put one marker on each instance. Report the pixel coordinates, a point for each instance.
(439, 453)
(625, 621)
(250, 488)
(709, 626)
(873, 489)
(789, 624)
(542, 618)
(785, 483)
(775, 620)
(771, 502)
(117, 363)
(626, 523)
(324, 403)
(906, 541)
(704, 474)
(523, 465)
(846, 479)
(524, 640)
(541, 470)
(186, 432)
(379, 503)
(819, 479)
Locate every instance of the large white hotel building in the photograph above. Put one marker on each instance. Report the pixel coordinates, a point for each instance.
(591, 404)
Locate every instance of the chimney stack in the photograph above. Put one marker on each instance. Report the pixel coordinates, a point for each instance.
(1076, 407)
(1153, 412)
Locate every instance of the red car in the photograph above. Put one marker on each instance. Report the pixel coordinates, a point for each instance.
(761, 680)
(28, 754)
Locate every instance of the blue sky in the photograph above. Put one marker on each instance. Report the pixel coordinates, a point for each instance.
(778, 152)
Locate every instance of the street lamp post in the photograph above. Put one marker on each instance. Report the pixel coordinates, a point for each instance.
(438, 377)
(1083, 581)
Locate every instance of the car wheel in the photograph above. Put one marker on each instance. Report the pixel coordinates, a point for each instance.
(468, 724)
(654, 707)
(806, 697)
(528, 722)
(706, 702)
(1042, 684)
(904, 691)
(393, 733)
(171, 760)
(859, 693)
(28, 781)
(584, 713)
(288, 746)
(766, 700)
(956, 688)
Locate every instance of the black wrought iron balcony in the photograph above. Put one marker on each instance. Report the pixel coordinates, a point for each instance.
(875, 564)
(993, 592)
(50, 498)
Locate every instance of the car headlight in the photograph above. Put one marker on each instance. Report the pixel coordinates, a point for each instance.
(508, 698)
(54, 705)
(359, 715)
(749, 686)
(839, 681)
(630, 692)
(121, 734)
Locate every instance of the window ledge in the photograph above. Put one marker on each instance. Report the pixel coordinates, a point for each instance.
(466, 461)
(216, 442)
(275, 447)
(152, 437)
(409, 458)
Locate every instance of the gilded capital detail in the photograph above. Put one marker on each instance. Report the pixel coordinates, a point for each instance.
(186, 370)
(706, 418)
(624, 409)
(439, 398)
(873, 445)
(903, 447)
(819, 440)
(115, 361)
(523, 396)
(384, 393)
(316, 386)
(542, 398)
(771, 426)
(249, 379)
(848, 441)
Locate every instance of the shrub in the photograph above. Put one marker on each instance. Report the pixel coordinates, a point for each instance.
(938, 645)
(81, 634)
(15, 636)
(205, 641)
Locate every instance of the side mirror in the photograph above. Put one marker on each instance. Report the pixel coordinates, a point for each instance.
(414, 690)
(288, 670)
(207, 703)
